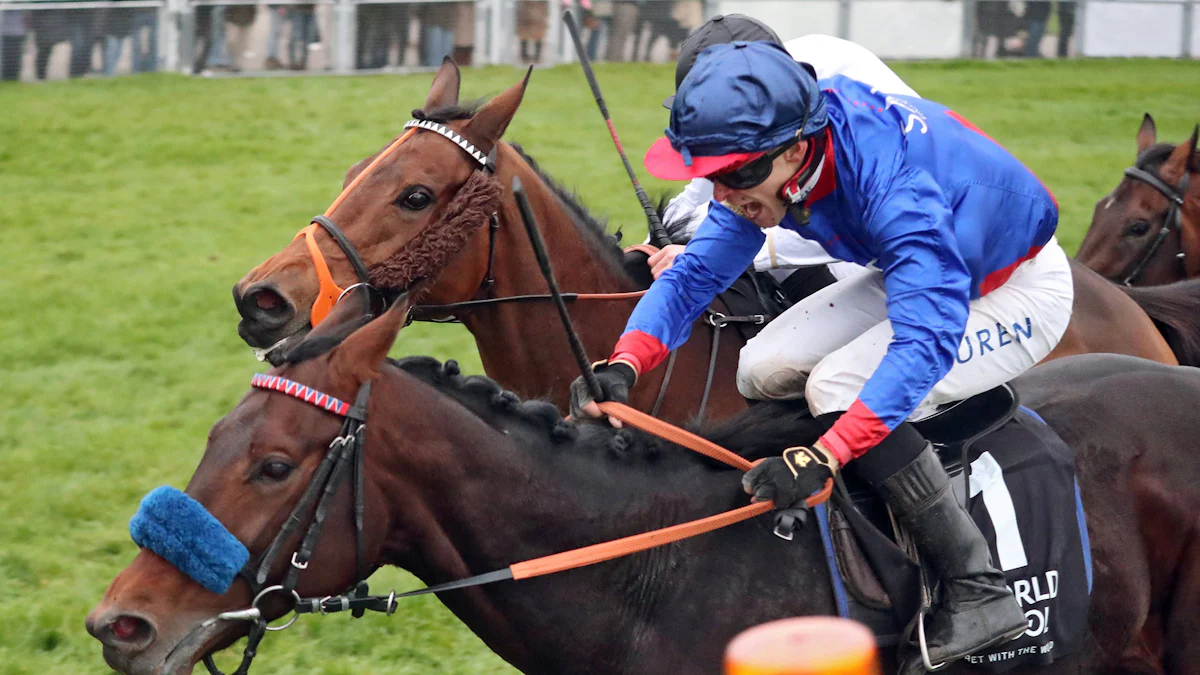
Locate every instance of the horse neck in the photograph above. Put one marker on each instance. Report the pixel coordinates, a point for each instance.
(519, 343)
(464, 499)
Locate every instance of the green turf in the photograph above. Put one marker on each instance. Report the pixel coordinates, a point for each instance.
(129, 207)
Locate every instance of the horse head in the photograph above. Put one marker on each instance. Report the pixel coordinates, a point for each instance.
(155, 618)
(406, 212)
(1147, 231)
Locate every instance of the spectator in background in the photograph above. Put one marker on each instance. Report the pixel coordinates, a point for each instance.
(12, 40)
(117, 25)
(532, 20)
(377, 24)
(588, 21)
(303, 20)
(464, 33)
(624, 23)
(994, 17)
(275, 15)
(1037, 15)
(660, 14)
(214, 57)
(145, 57)
(437, 32)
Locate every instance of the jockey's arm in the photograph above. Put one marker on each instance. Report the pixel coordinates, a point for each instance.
(928, 294)
(724, 246)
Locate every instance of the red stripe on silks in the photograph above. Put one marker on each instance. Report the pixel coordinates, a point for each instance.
(968, 124)
(998, 278)
(641, 350)
(855, 432)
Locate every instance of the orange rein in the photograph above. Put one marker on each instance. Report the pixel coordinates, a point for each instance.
(590, 555)
(329, 292)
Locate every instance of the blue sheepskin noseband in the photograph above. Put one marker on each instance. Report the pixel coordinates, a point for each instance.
(180, 529)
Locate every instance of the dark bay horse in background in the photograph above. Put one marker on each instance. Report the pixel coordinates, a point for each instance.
(1147, 230)
(515, 342)
(460, 480)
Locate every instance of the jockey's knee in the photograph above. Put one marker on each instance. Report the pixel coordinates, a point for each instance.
(832, 388)
(771, 377)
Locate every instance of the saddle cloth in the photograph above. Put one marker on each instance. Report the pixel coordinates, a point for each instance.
(1025, 500)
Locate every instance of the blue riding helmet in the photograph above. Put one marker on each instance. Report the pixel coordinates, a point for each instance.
(739, 100)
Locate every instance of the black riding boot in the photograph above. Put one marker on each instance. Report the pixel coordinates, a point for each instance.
(976, 610)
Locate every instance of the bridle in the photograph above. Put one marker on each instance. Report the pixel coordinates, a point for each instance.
(345, 453)
(1172, 220)
(329, 292)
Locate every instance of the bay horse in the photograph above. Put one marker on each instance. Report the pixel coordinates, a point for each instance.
(276, 297)
(1147, 230)
(462, 479)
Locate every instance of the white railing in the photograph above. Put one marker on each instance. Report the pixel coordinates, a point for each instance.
(57, 38)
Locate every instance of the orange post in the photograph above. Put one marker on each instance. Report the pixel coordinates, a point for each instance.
(818, 645)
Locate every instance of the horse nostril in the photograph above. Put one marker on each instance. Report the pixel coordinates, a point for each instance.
(125, 627)
(126, 632)
(265, 307)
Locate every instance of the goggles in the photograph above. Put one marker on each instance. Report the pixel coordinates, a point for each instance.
(753, 172)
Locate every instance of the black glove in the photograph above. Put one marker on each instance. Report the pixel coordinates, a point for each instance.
(788, 480)
(615, 379)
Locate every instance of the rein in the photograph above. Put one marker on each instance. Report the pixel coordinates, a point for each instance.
(1172, 219)
(346, 450)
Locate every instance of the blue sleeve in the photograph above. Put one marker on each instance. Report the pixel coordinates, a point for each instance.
(722, 249)
(928, 300)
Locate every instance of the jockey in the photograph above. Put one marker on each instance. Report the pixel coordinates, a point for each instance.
(799, 264)
(966, 288)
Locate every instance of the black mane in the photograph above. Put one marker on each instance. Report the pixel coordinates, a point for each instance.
(594, 229)
(763, 430)
(1153, 157)
(450, 113)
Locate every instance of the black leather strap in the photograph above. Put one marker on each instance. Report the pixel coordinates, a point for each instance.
(348, 249)
(1172, 220)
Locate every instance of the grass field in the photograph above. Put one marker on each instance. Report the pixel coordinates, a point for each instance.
(129, 207)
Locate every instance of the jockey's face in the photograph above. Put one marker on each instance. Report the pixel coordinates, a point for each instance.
(761, 204)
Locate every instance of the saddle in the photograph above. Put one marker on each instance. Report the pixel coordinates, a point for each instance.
(866, 539)
(877, 572)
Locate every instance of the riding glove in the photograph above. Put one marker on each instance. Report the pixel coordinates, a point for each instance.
(788, 480)
(614, 379)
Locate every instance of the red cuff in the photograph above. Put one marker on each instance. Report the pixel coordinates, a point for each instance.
(640, 350)
(855, 432)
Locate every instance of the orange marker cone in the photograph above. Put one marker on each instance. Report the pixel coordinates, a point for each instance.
(817, 645)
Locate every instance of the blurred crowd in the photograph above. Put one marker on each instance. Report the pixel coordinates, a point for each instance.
(1021, 29)
(63, 42)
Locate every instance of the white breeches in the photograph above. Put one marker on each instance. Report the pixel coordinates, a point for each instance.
(826, 347)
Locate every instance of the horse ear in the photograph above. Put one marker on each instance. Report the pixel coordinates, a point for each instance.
(1147, 134)
(1180, 161)
(489, 124)
(359, 356)
(444, 92)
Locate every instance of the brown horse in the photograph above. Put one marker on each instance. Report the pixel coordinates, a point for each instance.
(1147, 230)
(475, 481)
(275, 298)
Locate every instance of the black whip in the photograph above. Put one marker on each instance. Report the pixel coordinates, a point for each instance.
(539, 250)
(658, 234)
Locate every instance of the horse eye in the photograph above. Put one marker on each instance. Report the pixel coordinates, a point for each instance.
(1138, 229)
(275, 470)
(415, 200)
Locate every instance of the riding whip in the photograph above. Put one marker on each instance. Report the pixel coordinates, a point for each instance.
(658, 234)
(539, 250)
